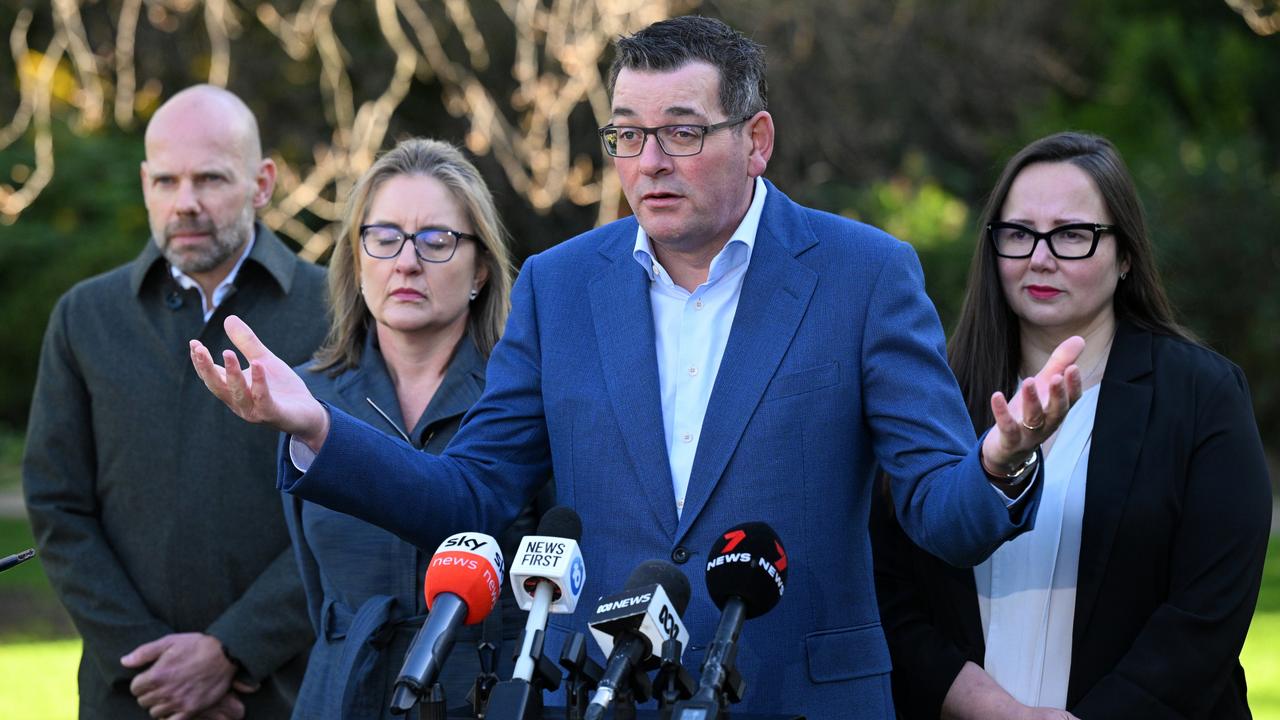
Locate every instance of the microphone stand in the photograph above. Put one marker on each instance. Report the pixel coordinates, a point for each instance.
(486, 680)
(721, 684)
(430, 701)
(673, 683)
(583, 676)
(518, 699)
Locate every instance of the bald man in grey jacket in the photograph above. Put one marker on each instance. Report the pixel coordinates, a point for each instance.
(153, 506)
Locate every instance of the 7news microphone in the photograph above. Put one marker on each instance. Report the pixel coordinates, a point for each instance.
(547, 575)
(746, 576)
(632, 625)
(464, 579)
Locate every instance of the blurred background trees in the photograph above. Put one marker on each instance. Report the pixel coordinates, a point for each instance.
(897, 112)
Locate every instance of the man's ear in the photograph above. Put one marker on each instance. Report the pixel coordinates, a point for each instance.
(760, 129)
(265, 180)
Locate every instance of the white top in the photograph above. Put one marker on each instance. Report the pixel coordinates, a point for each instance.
(1027, 588)
(691, 330)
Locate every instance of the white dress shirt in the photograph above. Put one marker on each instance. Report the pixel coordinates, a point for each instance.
(691, 330)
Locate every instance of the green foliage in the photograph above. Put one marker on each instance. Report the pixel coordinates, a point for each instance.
(914, 206)
(89, 219)
(1187, 93)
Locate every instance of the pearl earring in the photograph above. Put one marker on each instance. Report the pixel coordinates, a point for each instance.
(474, 293)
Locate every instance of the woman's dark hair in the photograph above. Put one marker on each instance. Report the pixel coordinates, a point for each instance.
(985, 350)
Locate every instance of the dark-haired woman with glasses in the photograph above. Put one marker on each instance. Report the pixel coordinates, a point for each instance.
(419, 287)
(1132, 595)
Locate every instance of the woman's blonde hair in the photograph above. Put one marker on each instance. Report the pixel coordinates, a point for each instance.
(348, 314)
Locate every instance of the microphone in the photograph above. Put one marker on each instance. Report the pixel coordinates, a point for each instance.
(548, 565)
(464, 579)
(16, 559)
(631, 625)
(547, 575)
(746, 577)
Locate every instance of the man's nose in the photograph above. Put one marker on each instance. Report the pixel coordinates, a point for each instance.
(653, 160)
(187, 200)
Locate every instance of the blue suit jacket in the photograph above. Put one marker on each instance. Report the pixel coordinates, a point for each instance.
(835, 364)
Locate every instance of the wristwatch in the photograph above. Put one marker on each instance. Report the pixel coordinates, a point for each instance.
(1019, 473)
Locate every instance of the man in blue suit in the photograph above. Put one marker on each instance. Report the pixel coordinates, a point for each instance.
(725, 355)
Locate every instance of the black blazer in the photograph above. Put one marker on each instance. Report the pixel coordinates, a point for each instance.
(1176, 520)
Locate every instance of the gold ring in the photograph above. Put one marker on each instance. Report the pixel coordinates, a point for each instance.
(1033, 429)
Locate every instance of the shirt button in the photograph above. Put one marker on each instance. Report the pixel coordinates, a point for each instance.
(687, 437)
(693, 372)
(697, 305)
(680, 555)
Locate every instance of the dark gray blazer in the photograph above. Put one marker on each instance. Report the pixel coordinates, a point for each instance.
(151, 503)
(1176, 518)
(364, 584)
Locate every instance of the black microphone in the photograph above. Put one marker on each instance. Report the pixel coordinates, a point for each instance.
(632, 625)
(746, 576)
(462, 585)
(17, 559)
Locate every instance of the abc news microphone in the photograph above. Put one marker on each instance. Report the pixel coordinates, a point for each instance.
(632, 625)
(464, 579)
(746, 576)
(547, 575)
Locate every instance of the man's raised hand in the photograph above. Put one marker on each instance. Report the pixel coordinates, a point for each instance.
(1026, 422)
(270, 392)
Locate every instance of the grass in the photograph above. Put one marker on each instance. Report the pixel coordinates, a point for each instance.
(38, 661)
(38, 679)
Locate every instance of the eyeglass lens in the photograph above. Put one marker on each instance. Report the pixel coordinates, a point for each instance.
(431, 245)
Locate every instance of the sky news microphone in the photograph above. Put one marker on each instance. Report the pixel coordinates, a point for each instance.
(547, 576)
(746, 576)
(464, 579)
(631, 626)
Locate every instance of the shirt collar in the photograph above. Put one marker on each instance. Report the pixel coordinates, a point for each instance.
(735, 252)
(266, 250)
(219, 292)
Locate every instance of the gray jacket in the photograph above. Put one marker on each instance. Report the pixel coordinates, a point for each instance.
(152, 505)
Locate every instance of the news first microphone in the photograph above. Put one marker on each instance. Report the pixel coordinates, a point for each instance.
(746, 576)
(547, 575)
(631, 626)
(464, 579)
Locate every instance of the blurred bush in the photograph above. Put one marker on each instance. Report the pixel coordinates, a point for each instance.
(88, 220)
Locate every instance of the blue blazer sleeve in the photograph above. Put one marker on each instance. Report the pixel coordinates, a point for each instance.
(492, 468)
(922, 433)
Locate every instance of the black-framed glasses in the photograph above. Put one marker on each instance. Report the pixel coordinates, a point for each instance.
(626, 141)
(1075, 241)
(433, 245)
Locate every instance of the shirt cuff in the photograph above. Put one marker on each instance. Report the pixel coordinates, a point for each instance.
(301, 455)
(1008, 501)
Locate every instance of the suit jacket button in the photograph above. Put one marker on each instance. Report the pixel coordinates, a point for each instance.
(680, 555)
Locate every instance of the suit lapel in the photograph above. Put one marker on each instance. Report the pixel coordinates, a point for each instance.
(775, 294)
(623, 322)
(1123, 409)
